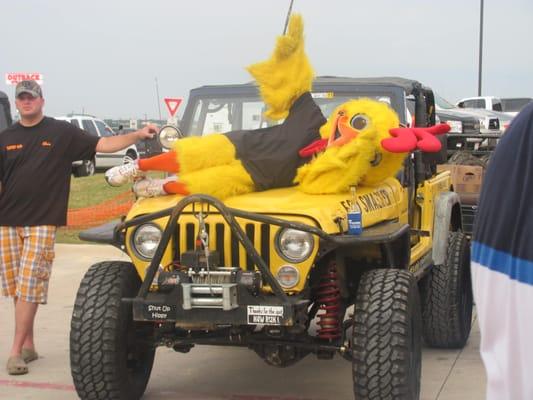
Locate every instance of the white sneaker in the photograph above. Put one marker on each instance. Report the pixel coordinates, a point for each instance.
(121, 174)
(149, 187)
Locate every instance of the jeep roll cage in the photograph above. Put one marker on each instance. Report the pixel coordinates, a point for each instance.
(395, 87)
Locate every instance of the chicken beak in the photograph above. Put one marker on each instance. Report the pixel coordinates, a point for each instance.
(341, 126)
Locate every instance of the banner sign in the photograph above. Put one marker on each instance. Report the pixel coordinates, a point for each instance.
(12, 78)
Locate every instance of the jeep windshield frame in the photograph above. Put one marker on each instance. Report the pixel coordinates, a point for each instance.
(328, 92)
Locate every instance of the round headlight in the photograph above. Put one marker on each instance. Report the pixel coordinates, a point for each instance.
(294, 245)
(145, 240)
(168, 135)
(288, 276)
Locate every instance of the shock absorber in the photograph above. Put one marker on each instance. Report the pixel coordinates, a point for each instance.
(328, 299)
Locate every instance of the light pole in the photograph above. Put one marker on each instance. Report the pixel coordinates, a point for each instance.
(157, 95)
(480, 49)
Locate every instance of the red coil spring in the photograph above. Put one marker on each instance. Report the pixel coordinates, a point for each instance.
(329, 300)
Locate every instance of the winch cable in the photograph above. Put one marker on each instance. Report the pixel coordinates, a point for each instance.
(204, 239)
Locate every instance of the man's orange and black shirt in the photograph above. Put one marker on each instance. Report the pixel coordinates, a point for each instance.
(35, 169)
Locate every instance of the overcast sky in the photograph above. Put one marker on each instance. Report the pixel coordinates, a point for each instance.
(102, 57)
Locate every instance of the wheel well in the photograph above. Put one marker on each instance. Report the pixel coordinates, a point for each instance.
(132, 153)
(353, 261)
(455, 220)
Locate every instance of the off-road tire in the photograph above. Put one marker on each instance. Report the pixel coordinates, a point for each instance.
(87, 168)
(386, 337)
(447, 297)
(111, 357)
(132, 154)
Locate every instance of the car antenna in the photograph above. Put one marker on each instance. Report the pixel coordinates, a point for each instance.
(287, 19)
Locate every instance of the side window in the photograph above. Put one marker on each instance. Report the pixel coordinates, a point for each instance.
(219, 118)
(89, 127)
(103, 129)
(252, 115)
(497, 105)
(74, 122)
(476, 103)
(461, 104)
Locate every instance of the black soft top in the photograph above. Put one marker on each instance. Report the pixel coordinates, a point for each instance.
(408, 85)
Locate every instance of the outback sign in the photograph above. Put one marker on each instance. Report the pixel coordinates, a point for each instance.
(12, 78)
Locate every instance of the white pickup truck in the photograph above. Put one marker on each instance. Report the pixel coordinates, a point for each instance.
(509, 105)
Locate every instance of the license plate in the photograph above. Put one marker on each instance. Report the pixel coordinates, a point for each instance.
(265, 315)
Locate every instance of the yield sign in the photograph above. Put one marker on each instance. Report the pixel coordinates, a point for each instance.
(172, 105)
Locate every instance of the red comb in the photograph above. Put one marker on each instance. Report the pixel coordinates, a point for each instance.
(404, 140)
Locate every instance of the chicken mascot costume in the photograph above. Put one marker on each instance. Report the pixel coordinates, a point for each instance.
(360, 143)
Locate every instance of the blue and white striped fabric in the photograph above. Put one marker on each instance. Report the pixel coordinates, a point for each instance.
(502, 264)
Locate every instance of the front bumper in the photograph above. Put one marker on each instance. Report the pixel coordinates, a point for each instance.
(244, 308)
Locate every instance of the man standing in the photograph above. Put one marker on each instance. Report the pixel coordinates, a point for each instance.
(502, 264)
(36, 156)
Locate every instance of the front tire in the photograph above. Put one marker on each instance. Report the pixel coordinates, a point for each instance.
(386, 337)
(111, 356)
(447, 297)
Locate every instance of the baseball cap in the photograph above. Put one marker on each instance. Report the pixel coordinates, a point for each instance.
(30, 87)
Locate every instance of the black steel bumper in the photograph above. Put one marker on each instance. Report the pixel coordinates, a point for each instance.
(244, 309)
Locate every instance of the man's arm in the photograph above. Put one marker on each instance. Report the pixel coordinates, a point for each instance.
(110, 144)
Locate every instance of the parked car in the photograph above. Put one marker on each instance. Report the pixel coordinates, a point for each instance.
(490, 121)
(276, 260)
(484, 102)
(459, 123)
(5, 112)
(99, 128)
(142, 146)
(509, 106)
(513, 105)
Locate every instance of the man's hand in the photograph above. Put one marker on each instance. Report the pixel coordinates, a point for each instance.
(110, 144)
(148, 132)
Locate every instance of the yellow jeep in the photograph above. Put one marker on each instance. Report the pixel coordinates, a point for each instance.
(277, 271)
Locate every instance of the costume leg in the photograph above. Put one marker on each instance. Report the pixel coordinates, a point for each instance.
(221, 181)
(175, 187)
(159, 187)
(166, 162)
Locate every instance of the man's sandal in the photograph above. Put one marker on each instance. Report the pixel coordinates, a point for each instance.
(29, 355)
(16, 366)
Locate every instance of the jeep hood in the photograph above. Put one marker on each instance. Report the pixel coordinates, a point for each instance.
(377, 204)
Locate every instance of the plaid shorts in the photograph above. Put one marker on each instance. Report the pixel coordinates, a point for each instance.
(26, 255)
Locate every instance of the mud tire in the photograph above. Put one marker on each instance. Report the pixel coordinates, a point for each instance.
(111, 357)
(387, 337)
(447, 297)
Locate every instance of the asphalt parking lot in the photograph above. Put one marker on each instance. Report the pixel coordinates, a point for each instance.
(208, 373)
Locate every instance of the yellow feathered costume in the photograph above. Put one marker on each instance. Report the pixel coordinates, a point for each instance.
(355, 134)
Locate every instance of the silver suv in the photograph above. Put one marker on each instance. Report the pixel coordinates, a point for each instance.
(99, 128)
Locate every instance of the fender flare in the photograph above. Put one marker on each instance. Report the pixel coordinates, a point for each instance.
(442, 223)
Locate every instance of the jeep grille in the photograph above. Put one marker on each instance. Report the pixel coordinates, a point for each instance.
(221, 239)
